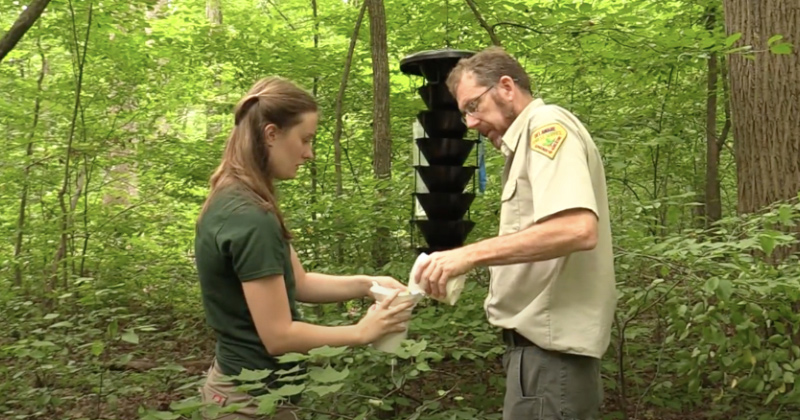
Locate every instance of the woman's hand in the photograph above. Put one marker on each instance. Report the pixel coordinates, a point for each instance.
(384, 281)
(382, 319)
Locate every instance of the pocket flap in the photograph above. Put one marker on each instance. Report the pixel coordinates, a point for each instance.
(509, 189)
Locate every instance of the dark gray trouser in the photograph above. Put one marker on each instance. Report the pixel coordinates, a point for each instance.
(547, 385)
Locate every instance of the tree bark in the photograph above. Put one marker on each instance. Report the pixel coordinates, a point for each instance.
(764, 103)
(339, 107)
(24, 22)
(213, 127)
(315, 87)
(214, 12)
(713, 203)
(337, 130)
(483, 23)
(381, 133)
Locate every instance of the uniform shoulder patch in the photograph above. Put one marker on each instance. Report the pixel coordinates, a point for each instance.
(548, 139)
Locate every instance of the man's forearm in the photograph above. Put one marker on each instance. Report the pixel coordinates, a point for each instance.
(555, 238)
(324, 288)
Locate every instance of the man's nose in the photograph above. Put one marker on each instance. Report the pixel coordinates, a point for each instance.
(471, 121)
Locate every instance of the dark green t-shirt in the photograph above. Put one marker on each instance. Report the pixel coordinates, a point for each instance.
(237, 241)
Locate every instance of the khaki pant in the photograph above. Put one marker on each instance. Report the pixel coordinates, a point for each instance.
(543, 384)
(222, 393)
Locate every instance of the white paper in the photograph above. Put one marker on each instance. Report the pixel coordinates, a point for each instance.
(454, 285)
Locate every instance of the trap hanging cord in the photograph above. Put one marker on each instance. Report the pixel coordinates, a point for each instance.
(447, 23)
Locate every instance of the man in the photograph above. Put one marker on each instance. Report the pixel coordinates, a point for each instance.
(552, 287)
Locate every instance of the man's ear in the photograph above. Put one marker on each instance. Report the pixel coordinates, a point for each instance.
(507, 84)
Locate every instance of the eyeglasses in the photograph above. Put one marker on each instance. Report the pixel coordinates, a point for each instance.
(472, 106)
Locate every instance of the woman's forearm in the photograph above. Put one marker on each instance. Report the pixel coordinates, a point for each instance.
(324, 288)
(300, 337)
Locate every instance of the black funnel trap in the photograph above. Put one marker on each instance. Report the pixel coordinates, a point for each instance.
(439, 178)
(438, 233)
(436, 96)
(433, 65)
(431, 250)
(445, 206)
(442, 123)
(445, 151)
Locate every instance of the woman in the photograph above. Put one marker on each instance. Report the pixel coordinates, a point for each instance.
(250, 276)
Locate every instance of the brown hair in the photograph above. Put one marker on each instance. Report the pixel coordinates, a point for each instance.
(489, 66)
(272, 100)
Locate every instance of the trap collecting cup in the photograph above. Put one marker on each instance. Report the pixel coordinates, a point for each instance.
(391, 342)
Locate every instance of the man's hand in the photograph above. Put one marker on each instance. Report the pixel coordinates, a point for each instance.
(435, 272)
(384, 281)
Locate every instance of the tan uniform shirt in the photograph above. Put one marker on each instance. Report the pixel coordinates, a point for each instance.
(564, 304)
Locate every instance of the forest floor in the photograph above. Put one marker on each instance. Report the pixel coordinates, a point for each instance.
(168, 365)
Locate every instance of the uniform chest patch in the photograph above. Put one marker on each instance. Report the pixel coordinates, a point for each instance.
(548, 139)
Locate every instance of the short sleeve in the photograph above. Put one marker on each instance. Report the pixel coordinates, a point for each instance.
(558, 168)
(253, 239)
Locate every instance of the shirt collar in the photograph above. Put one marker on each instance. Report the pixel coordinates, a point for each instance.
(518, 126)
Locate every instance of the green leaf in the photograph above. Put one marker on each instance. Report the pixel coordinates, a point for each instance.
(166, 415)
(292, 358)
(51, 316)
(113, 328)
(784, 48)
(97, 348)
(289, 390)
(712, 284)
(248, 375)
(725, 289)
(328, 374)
(38, 343)
(130, 337)
(267, 404)
(732, 38)
(774, 39)
(327, 351)
(323, 390)
(187, 406)
(767, 244)
(62, 324)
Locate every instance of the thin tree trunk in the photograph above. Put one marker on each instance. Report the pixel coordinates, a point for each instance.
(765, 106)
(713, 202)
(338, 112)
(26, 172)
(381, 135)
(483, 23)
(81, 60)
(24, 22)
(313, 163)
(339, 107)
(213, 127)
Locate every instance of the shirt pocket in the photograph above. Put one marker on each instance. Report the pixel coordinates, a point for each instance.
(509, 208)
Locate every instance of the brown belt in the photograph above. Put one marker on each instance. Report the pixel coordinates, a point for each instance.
(515, 339)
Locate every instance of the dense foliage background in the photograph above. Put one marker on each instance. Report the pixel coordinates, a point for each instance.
(115, 113)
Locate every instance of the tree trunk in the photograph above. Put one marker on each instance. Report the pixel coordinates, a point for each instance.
(764, 103)
(713, 210)
(313, 163)
(337, 130)
(23, 202)
(214, 12)
(483, 23)
(24, 22)
(381, 134)
(213, 127)
(65, 213)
